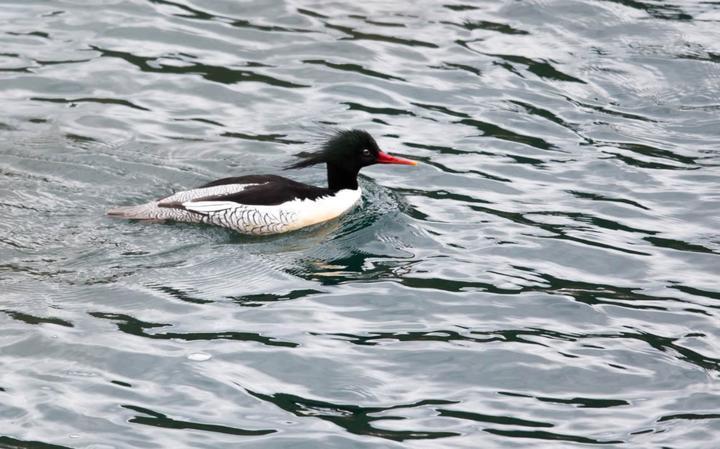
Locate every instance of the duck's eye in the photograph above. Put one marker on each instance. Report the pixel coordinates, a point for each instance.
(366, 152)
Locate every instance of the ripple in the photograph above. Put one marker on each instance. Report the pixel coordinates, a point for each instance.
(489, 26)
(358, 35)
(659, 11)
(156, 419)
(213, 73)
(198, 14)
(355, 419)
(543, 435)
(134, 326)
(506, 420)
(548, 268)
(689, 416)
(579, 402)
(15, 443)
(353, 68)
(541, 68)
(73, 101)
(30, 319)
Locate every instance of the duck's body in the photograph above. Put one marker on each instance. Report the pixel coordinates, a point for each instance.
(271, 204)
(255, 204)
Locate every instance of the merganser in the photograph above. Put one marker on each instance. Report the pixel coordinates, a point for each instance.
(271, 204)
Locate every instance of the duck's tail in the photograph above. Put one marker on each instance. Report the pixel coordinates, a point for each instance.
(154, 211)
(147, 211)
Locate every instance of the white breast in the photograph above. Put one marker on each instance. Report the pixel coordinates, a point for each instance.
(310, 212)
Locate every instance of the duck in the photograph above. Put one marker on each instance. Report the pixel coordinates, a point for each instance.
(273, 204)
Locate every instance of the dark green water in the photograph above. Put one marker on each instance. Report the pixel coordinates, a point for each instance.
(547, 277)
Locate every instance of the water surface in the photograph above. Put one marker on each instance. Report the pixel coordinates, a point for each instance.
(546, 277)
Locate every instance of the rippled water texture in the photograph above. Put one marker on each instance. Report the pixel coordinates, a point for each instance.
(547, 276)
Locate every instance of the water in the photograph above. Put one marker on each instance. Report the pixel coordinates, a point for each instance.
(547, 277)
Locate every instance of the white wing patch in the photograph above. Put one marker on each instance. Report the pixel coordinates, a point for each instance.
(205, 207)
(204, 192)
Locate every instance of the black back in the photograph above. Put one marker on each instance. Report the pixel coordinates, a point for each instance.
(270, 191)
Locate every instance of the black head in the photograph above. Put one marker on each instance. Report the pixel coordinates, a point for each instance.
(349, 150)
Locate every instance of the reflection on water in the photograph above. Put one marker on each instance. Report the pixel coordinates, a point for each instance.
(547, 275)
